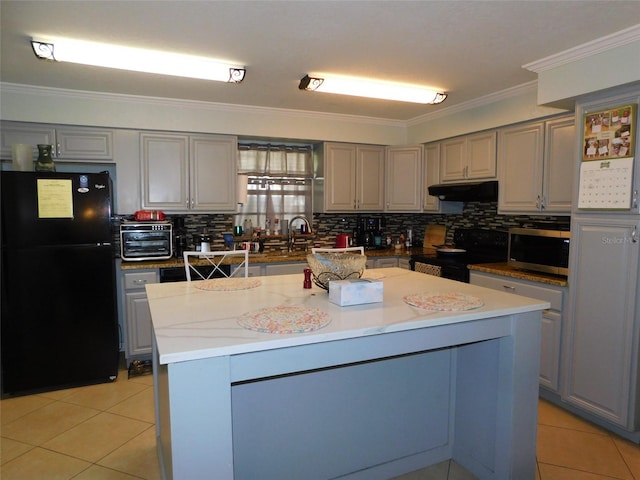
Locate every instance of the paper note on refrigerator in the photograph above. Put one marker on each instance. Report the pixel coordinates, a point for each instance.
(55, 199)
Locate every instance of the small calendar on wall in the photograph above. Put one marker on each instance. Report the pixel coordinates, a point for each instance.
(606, 185)
(606, 172)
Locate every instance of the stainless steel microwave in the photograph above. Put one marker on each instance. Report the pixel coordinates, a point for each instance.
(146, 241)
(539, 250)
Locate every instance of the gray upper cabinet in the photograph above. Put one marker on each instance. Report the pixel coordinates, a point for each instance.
(431, 171)
(431, 176)
(353, 177)
(535, 164)
(182, 173)
(468, 158)
(559, 157)
(69, 143)
(600, 351)
(403, 179)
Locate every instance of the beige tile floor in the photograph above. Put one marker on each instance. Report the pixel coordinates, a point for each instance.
(106, 432)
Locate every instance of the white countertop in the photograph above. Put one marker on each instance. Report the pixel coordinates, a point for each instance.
(190, 323)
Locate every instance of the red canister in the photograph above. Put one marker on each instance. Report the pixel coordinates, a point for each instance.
(343, 240)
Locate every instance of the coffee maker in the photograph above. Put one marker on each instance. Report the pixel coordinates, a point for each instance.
(369, 233)
(180, 243)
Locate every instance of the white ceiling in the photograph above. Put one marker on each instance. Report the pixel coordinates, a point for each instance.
(468, 48)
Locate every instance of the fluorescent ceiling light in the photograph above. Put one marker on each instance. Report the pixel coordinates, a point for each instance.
(362, 87)
(136, 59)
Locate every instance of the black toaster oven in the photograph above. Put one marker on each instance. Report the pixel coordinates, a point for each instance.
(146, 241)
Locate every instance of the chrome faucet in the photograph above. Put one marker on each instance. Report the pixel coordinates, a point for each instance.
(292, 232)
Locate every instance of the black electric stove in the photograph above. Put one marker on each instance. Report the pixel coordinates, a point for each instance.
(481, 245)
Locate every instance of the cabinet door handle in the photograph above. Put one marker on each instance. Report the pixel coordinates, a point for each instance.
(538, 203)
(139, 282)
(634, 235)
(58, 152)
(509, 287)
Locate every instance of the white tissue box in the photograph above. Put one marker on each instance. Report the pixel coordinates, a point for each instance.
(355, 291)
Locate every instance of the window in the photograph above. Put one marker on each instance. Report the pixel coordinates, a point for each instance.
(279, 185)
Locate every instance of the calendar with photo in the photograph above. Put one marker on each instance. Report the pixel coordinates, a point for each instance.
(606, 172)
(609, 133)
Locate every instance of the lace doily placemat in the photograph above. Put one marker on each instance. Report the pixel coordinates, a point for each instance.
(228, 284)
(452, 301)
(285, 319)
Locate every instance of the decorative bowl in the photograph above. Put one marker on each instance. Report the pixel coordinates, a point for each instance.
(326, 267)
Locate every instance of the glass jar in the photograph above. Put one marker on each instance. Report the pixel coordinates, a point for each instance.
(45, 162)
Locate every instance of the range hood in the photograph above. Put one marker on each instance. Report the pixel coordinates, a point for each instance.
(466, 192)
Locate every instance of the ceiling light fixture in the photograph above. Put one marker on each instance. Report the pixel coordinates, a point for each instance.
(361, 87)
(136, 59)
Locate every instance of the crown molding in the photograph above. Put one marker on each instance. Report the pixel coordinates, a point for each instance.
(24, 89)
(594, 47)
(511, 92)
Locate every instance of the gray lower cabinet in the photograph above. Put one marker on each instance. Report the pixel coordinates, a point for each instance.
(382, 262)
(137, 317)
(551, 319)
(285, 268)
(601, 364)
(261, 269)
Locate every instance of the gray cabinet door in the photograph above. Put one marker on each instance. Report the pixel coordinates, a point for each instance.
(431, 176)
(370, 178)
(84, 144)
(601, 346)
(340, 177)
(165, 172)
(403, 179)
(521, 162)
(559, 162)
(139, 324)
(212, 173)
(137, 316)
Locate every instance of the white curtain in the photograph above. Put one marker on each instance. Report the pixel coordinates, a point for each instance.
(275, 160)
(279, 182)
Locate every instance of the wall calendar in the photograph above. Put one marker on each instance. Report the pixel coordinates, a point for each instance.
(606, 185)
(606, 172)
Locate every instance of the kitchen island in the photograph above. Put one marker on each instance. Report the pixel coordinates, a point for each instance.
(377, 390)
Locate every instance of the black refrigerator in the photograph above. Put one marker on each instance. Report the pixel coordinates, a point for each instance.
(59, 321)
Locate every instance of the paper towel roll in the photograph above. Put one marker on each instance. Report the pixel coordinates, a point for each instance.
(241, 188)
(22, 157)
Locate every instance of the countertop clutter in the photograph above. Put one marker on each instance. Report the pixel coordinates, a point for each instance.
(501, 268)
(270, 257)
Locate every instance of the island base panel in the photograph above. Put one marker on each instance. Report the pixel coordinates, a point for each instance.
(328, 423)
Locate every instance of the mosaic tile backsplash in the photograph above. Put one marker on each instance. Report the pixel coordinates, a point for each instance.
(327, 226)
